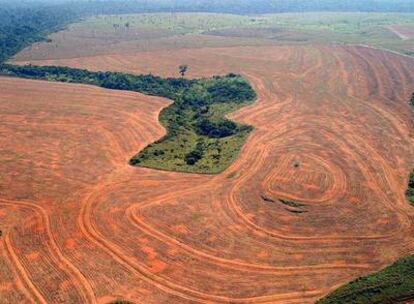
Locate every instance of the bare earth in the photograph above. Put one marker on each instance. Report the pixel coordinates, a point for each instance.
(333, 131)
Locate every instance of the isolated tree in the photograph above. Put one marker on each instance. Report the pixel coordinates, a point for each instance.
(183, 69)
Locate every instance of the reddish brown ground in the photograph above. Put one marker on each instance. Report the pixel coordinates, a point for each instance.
(81, 226)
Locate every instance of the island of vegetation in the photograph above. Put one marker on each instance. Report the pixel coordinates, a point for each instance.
(394, 284)
(199, 138)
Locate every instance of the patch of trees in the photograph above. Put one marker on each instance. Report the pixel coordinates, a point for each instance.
(193, 110)
(219, 129)
(394, 284)
(194, 94)
(195, 155)
(193, 113)
(409, 193)
(147, 84)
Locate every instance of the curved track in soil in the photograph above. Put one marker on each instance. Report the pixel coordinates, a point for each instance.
(333, 131)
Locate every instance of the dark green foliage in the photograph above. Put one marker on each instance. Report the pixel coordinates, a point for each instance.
(24, 25)
(194, 94)
(297, 211)
(232, 88)
(195, 123)
(147, 84)
(291, 203)
(409, 193)
(267, 199)
(218, 129)
(197, 129)
(195, 155)
(412, 100)
(394, 284)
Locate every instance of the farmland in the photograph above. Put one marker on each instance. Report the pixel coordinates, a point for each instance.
(114, 34)
(316, 197)
(129, 217)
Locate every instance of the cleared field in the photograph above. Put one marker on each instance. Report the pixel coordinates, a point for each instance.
(115, 34)
(315, 199)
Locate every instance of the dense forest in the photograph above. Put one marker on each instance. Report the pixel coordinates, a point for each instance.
(24, 25)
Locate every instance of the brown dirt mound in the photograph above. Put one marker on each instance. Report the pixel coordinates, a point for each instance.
(332, 132)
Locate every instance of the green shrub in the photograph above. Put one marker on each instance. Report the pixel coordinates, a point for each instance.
(394, 284)
(409, 193)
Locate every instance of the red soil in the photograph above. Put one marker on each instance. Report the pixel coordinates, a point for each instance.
(81, 226)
